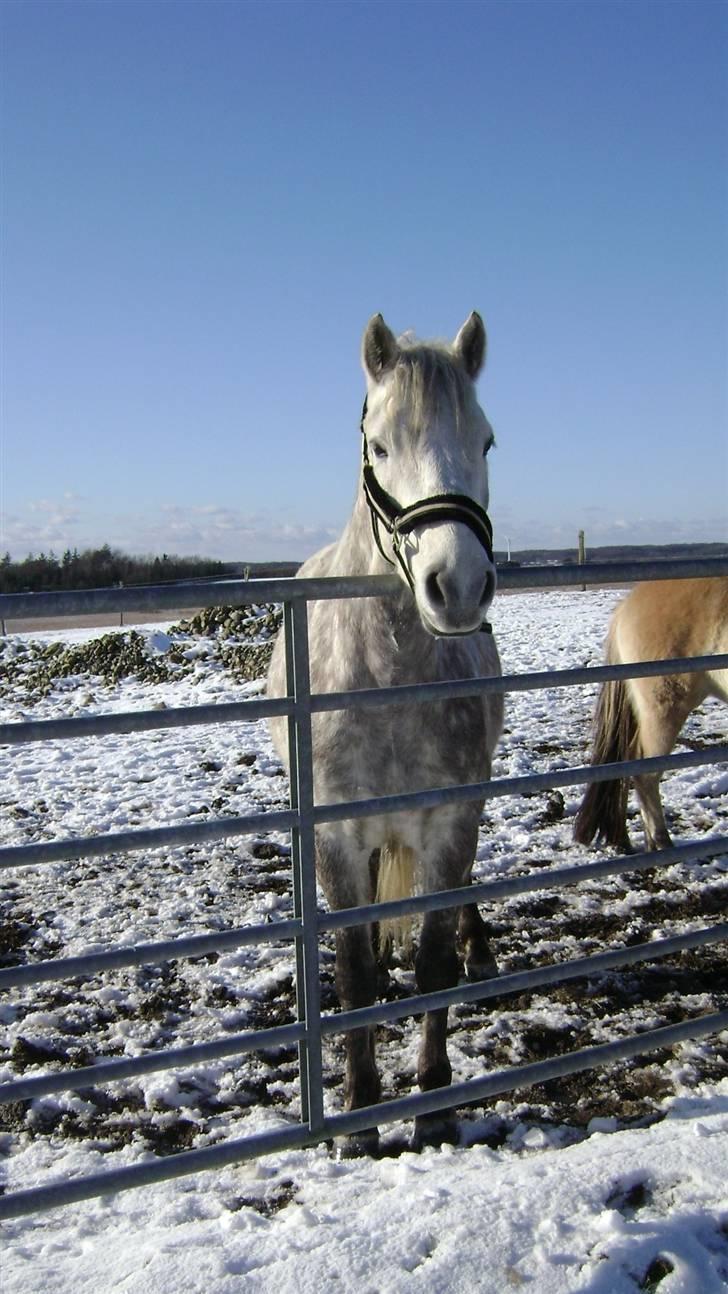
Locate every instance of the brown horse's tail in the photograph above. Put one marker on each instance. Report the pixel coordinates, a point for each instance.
(603, 810)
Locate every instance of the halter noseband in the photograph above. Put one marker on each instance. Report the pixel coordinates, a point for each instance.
(398, 521)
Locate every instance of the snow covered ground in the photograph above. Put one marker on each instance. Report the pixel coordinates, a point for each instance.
(609, 1181)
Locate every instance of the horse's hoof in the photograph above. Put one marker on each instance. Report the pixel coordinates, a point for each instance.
(435, 1130)
(480, 968)
(358, 1145)
(661, 841)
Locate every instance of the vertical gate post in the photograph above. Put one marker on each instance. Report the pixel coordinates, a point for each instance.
(582, 555)
(308, 987)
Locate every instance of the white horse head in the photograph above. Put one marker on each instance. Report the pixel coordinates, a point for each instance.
(426, 442)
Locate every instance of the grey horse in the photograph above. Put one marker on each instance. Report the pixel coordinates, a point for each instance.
(420, 508)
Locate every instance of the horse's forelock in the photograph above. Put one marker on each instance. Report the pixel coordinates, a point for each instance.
(427, 379)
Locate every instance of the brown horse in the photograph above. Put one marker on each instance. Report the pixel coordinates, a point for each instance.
(642, 717)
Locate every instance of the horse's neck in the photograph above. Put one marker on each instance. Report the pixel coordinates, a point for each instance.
(356, 552)
(399, 648)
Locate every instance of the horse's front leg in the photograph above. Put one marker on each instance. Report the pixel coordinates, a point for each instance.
(356, 986)
(345, 878)
(473, 939)
(436, 967)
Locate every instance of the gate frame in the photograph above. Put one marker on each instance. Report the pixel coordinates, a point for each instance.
(311, 1027)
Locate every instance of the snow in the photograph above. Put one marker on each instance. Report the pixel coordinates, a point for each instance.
(615, 1184)
(593, 1216)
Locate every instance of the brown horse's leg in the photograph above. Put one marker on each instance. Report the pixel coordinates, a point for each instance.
(473, 938)
(436, 967)
(662, 705)
(647, 786)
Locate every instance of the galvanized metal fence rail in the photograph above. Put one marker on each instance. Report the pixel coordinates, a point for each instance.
(308, 922)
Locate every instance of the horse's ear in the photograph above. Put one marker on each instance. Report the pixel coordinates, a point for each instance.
(379, 349)
(469, 345)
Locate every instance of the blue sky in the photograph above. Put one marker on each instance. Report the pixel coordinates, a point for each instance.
(203, 203)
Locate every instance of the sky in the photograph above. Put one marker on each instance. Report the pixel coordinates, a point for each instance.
(203, 204)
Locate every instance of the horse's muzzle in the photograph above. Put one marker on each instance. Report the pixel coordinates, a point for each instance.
(452, 604)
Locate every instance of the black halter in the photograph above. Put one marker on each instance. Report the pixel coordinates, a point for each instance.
(398, 521)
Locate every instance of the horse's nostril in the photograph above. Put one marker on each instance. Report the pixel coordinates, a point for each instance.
(434, 591)
(488, 590)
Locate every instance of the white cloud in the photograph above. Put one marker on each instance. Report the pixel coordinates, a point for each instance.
(207, 531)
(230, 534)
(603, 528)
(45, 525)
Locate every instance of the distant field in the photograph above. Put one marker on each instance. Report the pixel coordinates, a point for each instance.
(275, 570)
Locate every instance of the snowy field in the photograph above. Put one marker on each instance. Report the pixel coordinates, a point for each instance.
(610, 1181)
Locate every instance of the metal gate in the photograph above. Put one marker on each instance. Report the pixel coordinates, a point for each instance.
(308, 922)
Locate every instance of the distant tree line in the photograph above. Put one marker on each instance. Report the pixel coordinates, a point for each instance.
(99, 568)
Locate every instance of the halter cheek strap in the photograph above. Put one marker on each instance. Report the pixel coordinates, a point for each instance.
(398, 522)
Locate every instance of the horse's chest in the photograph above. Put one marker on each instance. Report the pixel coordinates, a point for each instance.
(394, 749)
(403, 748)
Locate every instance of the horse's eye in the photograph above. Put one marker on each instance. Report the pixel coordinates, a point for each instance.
(378, 450)
(488, 446)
